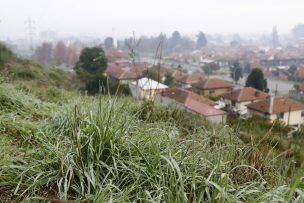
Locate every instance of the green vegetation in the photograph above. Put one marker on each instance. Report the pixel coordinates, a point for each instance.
(5, 54)
(271, 135)
(90, 68)
(23, 71)
(153, 74)
(236, 71)
(169, 80)
(210, 68)
(256, 80)
(102, 148)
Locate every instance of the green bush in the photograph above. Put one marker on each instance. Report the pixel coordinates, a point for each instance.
(5, 54)
(25, 75)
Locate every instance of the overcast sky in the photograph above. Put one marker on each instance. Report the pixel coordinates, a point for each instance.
(150, 17)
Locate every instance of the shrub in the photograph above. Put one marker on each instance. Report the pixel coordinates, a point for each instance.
(26, 75)
(5, 54)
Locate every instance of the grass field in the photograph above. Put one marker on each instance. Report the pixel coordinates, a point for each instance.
(108, 149)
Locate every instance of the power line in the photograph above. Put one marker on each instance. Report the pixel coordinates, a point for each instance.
(30, 31)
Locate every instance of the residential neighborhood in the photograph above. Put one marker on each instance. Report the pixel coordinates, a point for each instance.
(211, 98)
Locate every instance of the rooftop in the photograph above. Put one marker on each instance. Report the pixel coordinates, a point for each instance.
(192, 101)
(181, 95)
(280, 104)
(149, 84)
(191, 78)
(245, 94)
(212, 83)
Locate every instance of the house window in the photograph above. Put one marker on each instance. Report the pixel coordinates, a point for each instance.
(211, 91)
(281, 115)
(302, 114)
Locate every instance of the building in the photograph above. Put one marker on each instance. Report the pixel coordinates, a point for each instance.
(212, 86)
(123, 73)
(191, 102)
(282, 108)
(239, 98)
(187, 80)
(145, 88)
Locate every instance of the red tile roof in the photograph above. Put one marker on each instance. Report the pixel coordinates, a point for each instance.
(202, 108)
(192, 101)
(191, 78)
(124, 72)
(280, 104)
(245, 94)
(212, 83)
(181, 95)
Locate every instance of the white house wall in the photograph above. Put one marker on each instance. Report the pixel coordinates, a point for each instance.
(295, 117)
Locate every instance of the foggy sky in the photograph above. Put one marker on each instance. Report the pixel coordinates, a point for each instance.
(98, 17)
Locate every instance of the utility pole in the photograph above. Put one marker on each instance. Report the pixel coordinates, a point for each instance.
(30, 31)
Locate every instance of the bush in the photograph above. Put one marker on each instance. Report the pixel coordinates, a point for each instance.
(5, 54)
(25, 75)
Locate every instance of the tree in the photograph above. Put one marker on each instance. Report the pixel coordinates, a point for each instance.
(298, 31)
(169, 81)
(292, 69)
(174, 42)
(210, 68)
(90, 68)
(236, 71)
(60, 52)
(108, 43)
(43, 53)
(247, 68)
(5, 54)
(296, 87)
(152, 74)
(256, 80)
(201, 40)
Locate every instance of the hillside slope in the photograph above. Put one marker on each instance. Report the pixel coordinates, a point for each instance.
(17, 70)
(108, 149)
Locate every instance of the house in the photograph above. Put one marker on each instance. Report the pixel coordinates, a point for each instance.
(282, 108)
(299, 74)
(212, 86)
(186, 80)
(123, 73)
(145, 88)
(191, 102)
(239, 98)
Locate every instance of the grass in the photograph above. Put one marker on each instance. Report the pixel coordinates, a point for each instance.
(271, 136)
(101, 149)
